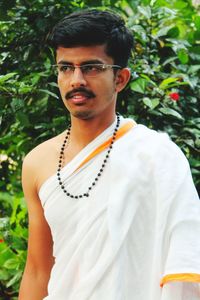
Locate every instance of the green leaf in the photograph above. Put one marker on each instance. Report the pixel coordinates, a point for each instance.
(192, 80)
(145, 11)
(139, 30)
(195, 49)
(197, 35)
(23, 119)
(18, 242)
(197, 22)
(151, 103)
(35, 78)
(171, 112)
(6, 138)
(166, 83)
(14, 279)
(139, 85)
(155, 102)
(193, 69)
(194, 162)
(162, 32)
(25, 90)
(148, 79)
(152, 2)
(49, 93)
(180, 4)
(169, 60)
(147, 102)
(189, 142)
(4, 78)
(17, 104)
(54, 84)
(11, 263)
(183, 56)
(174, 32)
(4, 275)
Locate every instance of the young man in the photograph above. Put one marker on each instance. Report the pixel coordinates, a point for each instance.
(113, 212)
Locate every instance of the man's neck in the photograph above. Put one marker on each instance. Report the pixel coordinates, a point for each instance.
(84, 131)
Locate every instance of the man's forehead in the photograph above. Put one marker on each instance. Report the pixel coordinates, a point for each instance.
(83, 54)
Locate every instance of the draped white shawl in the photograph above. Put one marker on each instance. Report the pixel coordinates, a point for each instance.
(137, 237)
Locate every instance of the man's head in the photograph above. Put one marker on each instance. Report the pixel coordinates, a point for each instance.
(94, 27)
(92, 50)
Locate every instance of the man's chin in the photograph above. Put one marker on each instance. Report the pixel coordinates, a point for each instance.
(83, 115)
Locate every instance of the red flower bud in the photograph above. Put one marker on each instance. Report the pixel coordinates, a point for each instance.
(1, 241)
(174, 96)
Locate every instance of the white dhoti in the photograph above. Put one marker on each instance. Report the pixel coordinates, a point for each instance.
(137, 237)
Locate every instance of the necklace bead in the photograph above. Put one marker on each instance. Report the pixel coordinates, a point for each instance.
(66, 141)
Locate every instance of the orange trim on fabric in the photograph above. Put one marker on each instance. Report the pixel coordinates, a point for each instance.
(185, 277)
(125, 128)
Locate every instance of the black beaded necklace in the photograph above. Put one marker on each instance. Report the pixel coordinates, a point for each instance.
(66, 141)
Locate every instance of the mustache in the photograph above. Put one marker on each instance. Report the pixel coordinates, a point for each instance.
(87, 93)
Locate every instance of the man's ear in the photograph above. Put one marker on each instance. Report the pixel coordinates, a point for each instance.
(122, 78)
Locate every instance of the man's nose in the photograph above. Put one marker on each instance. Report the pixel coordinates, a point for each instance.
(77, 78)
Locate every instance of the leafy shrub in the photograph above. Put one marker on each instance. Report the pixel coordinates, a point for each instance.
(13, 244)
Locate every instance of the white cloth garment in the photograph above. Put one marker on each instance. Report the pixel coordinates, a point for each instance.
(140, 224)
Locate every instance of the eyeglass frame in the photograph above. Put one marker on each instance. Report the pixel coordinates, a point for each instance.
(84, 72)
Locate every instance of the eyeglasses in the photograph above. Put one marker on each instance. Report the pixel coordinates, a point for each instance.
(88, 70)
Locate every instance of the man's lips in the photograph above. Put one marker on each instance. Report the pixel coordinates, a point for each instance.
(79, 98)
(79, 95)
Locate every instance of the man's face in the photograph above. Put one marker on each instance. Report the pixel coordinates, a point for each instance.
(87, 97)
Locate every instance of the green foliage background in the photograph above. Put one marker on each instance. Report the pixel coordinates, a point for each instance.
(166, 60)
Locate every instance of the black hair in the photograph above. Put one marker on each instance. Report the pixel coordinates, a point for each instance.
(94, 27)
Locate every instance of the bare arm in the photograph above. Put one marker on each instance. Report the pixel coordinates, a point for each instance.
(39, 258)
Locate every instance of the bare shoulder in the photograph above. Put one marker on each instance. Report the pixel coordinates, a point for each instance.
(42, 150)
(41, 162)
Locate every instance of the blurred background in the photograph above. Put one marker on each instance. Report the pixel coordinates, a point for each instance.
(164, 94)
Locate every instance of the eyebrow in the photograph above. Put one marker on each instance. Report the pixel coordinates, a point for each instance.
(87, 62)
